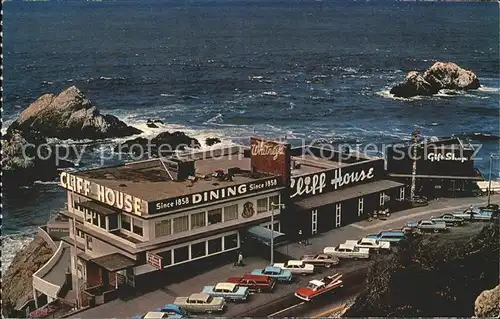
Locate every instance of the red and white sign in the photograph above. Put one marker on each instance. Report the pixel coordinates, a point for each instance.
(154, 260)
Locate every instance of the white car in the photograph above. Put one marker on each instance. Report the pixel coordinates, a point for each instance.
(296, 267)
(370, 243)
(347, 251)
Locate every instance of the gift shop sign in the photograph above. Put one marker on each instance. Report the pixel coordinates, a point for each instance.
(437, 157)
(101, 193)
(213, 195)
(317, 183)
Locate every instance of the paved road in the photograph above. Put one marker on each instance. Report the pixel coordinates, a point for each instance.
(265, 304)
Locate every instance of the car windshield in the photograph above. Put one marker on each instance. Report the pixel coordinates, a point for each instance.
(209, 299)
(312, 286)
(377, 242)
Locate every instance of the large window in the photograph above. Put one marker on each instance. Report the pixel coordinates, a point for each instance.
(231, 212)
(181, 224)
(215, 216)
(230, 241)
(198, 250)
(214, 245)
(275, 200)
(126, 222)
(166, 257)
(112, 222)
(181, 254)
(198, 220)
(137, 226)
(262, 205)
(89, 243)
(163, 228)
(102, 221)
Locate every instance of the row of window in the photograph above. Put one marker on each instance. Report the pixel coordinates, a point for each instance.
(196, 220)
(133, 225)
(199, 250)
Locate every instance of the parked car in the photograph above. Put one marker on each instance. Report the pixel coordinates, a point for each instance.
(490, 207)
(449, 219)
(394, 237)
(371, 243)
(169, 311)
(228, 291)
(275, 273)
(321, 260)
(201, 303)
(427, 225)
(318, 287)
(474, 215)
(297, 267)
(347, 251)
(254, 283)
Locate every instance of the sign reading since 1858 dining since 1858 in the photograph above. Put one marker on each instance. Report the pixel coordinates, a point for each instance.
(214, 195)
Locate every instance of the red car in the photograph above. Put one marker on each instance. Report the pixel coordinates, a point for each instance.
(319, 287)
(255, 283)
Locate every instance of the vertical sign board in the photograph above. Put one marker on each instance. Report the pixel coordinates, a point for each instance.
(154, 260)
(270, 157)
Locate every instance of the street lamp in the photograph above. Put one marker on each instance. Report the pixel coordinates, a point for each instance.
(492, 156)
(280, 206)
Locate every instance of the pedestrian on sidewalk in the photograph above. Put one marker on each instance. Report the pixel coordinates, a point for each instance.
(239, 262)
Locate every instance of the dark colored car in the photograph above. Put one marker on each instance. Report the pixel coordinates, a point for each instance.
(255, 283)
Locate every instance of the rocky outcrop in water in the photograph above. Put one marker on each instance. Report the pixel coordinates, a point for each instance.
(209, 141)
(70, 115)
(435, 275)
(17, 281)
(27, 157)
(441, 75)
(487, 304)
(164, 144)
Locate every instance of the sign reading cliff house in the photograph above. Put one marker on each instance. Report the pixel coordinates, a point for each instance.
(334, 179)
(270, 157)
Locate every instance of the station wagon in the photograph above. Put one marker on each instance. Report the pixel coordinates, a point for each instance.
(275, 273)
(201, 303)
(228, 291)
(255, 283)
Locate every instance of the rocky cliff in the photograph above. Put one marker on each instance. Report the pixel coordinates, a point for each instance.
(435, 275)
(17, 282)
(441, 75)
(70, 115)
(487, 304)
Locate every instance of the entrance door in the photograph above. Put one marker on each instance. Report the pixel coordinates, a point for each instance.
(402, 193)
(338, 214)
(361, 206)
(314, 221)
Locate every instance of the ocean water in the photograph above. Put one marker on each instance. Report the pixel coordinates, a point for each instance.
(231, 69)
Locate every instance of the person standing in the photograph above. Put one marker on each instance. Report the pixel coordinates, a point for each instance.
(240, 259)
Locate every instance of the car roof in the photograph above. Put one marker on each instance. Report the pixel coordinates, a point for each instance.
(225, 285)
(155, 315)
(317, 282)
(199, 296)
(350, 246)
(273, 269)
(392, 233)
(256, 277)
(170, 306)
(294, 262)
(369, 239)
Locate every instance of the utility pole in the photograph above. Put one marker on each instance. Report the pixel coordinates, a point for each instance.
(414, 141)
(75, 260)
(280, 206)
(492, 156)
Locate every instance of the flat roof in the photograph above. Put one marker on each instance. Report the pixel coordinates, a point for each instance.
(114, 262)
(150, 181)
(311, 164)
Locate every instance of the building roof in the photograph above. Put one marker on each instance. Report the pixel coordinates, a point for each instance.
(347, 193)
(225, 286)
(151, 181)
(114, 262)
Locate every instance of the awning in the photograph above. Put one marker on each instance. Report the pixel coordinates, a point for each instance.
(345, 194)
(263, 235)
(114, 262)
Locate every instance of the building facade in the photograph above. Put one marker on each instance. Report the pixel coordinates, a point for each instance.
(135, 222)
(443, 168)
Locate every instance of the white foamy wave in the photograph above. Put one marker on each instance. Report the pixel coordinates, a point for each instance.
(487, 89)
(270, 94)
(13, 243)
(47, 182)
(385, 93)
(167, 94)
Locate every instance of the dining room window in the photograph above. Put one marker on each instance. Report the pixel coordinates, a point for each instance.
(198, 220)
(262, 205)
(181, 224)
(215, 216)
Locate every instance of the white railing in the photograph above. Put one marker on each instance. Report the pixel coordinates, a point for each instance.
(42, 285)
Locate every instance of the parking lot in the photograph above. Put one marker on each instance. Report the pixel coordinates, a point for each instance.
(265, 304)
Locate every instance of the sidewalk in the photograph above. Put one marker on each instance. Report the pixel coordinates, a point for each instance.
(395, 221)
